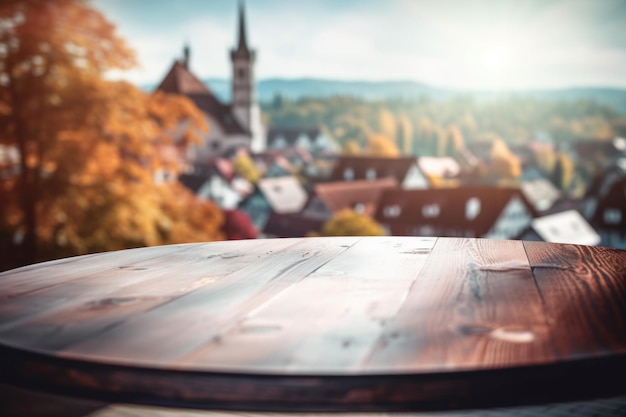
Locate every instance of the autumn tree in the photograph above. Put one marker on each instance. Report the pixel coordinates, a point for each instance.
(350, 223)
(405, 135)
(387, 125)
(244, 166)
(505, 164)
(563, 172)
(455, 140)
(351, 148)
(380, 145)
(88, 149)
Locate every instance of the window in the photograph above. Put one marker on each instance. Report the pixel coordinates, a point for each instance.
(359, 208)
(370, 174)
(392, 211)
(612, 216)
(348, 174)
(241, 73)
(431, 210)
(472, 208)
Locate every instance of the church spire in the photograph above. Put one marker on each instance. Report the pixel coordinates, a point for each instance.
(242, 45)
(186, 55)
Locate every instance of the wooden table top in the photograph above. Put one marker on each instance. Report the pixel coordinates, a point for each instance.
(350, 323)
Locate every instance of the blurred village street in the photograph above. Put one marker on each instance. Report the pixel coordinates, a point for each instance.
(88, 164)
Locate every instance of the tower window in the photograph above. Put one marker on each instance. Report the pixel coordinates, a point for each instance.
(241, 73)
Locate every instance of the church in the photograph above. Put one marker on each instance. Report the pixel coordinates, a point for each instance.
(233, 125)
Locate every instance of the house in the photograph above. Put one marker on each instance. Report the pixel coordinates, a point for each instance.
(541, 193)
(282, 195)
(233, 125)
(361, 196)
(564, 227)
(489, 212)
(441, 171)
(441, 167)
(9, 161)
(291, 225)
(607, 211)
(218, 183)
(600, 150)
(312, 139)
(404, 170)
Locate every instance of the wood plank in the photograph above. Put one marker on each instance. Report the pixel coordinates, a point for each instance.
(160, 336)
(329, 320)
(474, 306)
(55, 317)
(22, 402)
(584, 294)
(43, 275)
(136, 276)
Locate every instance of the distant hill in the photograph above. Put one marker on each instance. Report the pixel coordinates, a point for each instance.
(379, 90)
(316, 87)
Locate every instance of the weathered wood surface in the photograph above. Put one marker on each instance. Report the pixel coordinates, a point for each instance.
(20, 402)
(390, 322)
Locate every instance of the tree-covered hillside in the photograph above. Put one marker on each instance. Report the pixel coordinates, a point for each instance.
(434, 127)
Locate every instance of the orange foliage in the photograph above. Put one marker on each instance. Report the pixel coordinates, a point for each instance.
(89, 149)
(505, 164)
(380, 145)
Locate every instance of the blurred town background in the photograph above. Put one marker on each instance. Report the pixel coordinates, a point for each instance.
(134, 123)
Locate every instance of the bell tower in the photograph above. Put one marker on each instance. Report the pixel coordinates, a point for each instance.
(244, 101)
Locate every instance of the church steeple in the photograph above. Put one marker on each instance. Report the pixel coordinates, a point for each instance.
(244, 102)
(186, 55)
(242, 50)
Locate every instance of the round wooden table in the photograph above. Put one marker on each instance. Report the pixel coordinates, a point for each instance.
(333, 324)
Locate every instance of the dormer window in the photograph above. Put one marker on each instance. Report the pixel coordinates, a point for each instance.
(370, 174)
(359, 208)
(612, 216)
(348, 174)
(392, 211)
(472, 208)
(431, 210)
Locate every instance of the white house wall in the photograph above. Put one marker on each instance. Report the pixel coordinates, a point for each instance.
(415, 179)
(512, 221)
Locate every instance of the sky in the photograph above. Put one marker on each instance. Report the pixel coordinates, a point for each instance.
(459, 44)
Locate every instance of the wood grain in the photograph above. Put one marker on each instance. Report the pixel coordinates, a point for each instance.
(162, 335)
(71, 311)
(329, 320)
(474, 305)
(351, 323)
(584, 294)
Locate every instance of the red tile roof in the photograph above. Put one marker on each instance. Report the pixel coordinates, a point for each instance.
(291, 225)
(346, 195)
(179, 80)
(445, 209)
(383, 167)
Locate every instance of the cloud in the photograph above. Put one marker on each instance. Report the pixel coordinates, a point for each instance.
(466, 44)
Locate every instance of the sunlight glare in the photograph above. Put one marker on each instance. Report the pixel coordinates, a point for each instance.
(496, 60)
